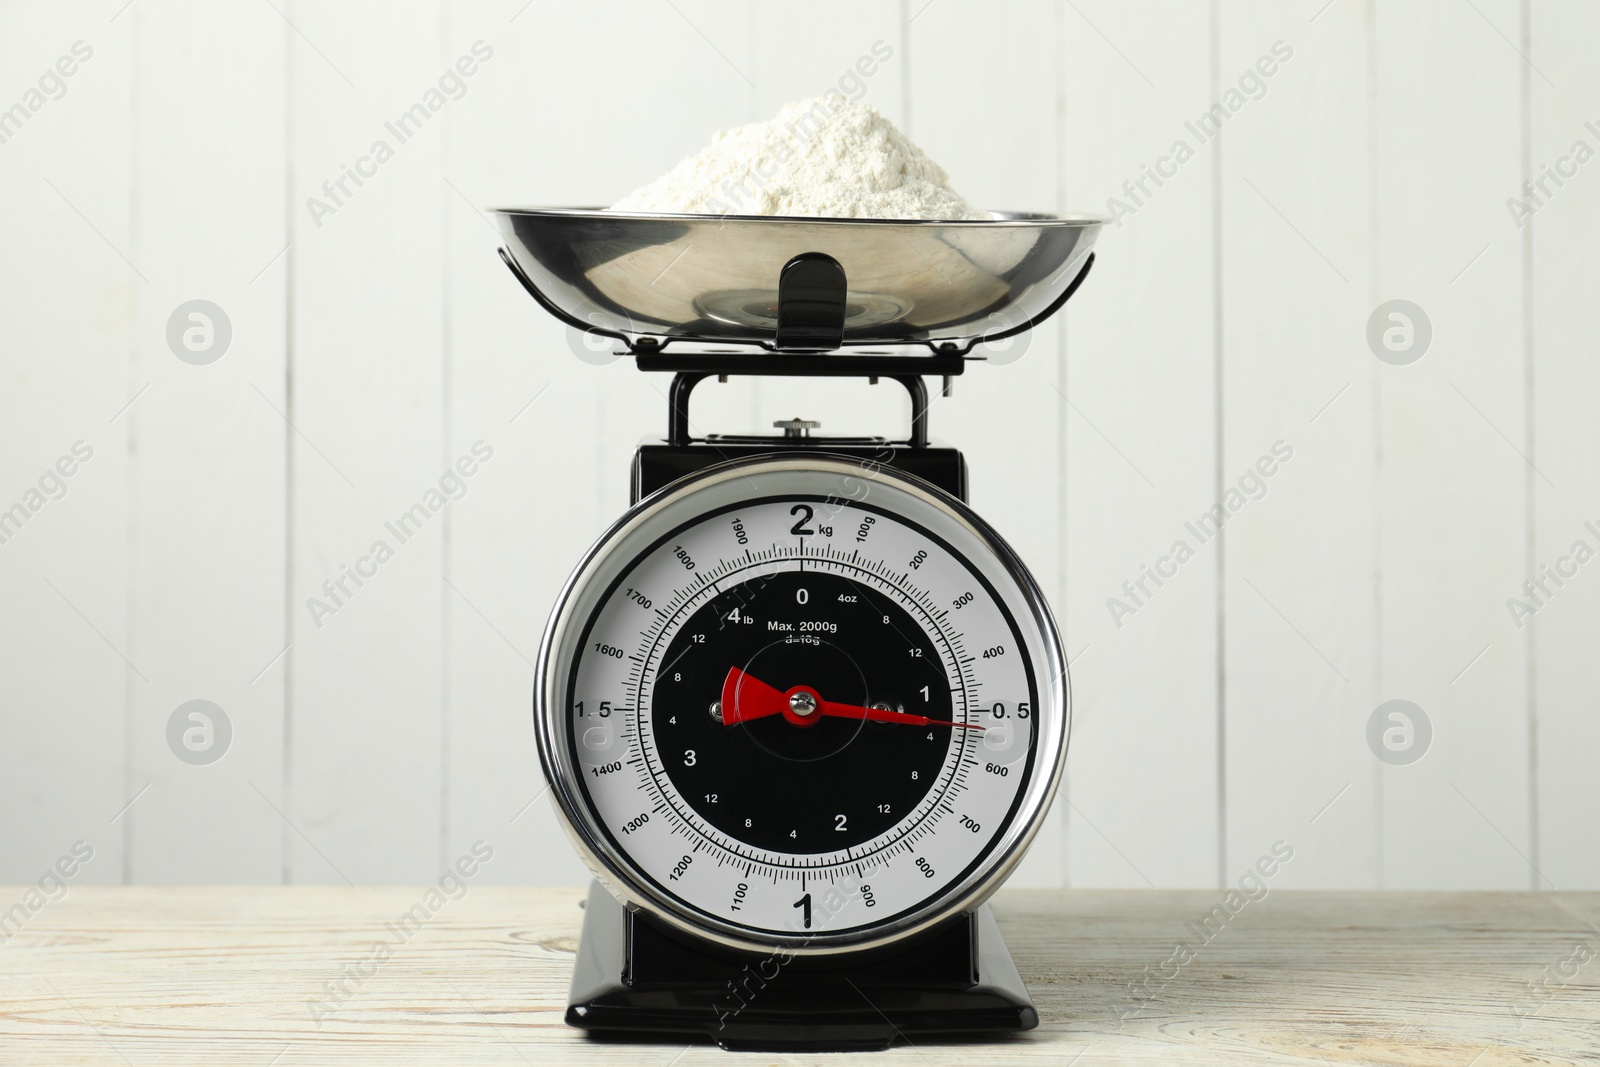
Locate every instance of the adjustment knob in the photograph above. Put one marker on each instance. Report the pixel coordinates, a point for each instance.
(796, 427)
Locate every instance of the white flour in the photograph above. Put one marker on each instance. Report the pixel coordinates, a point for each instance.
(828, 157)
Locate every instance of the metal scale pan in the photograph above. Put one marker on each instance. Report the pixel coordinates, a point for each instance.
(797, 284)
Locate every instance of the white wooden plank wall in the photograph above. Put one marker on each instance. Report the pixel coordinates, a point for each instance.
(206, 535)
(1560, 244)
(66, 583)
(1137, 420)
(1445, 463)
(1366, 153)
(1298, 620)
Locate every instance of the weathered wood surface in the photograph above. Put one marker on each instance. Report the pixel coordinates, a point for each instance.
(225, 975)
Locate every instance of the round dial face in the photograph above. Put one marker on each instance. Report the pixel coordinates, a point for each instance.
(798, 717)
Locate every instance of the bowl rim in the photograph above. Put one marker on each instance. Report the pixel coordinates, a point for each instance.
(1007, 219)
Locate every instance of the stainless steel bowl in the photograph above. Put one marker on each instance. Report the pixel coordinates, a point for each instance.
(715, 278)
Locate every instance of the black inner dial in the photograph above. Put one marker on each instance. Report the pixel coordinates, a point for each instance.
(783, 778)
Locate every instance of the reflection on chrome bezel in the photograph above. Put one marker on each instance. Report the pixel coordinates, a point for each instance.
(704, 493)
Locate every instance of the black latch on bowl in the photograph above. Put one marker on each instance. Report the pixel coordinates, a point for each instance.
(811, 290)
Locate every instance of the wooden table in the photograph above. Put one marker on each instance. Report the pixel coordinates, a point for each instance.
(210, 976)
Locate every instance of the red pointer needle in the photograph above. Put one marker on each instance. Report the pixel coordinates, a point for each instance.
(745, 697)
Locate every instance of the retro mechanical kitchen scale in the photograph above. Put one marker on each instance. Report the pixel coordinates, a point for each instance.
(800, 708)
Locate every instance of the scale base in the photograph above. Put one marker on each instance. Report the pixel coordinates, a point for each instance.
(634, 978)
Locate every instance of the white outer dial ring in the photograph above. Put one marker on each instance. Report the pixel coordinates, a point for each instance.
(849, 481)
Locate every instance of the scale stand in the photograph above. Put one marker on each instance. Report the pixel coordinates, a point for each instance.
(637, 977)
(658, 463)
(634, 976)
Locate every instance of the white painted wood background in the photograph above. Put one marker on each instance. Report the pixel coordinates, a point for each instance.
(1227, 313)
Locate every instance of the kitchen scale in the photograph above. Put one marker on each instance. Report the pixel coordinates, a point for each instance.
(800, 708)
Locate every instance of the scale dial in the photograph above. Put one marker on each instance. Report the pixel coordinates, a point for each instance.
(801, 703)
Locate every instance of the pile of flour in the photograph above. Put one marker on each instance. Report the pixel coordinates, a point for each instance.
(828, 157)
